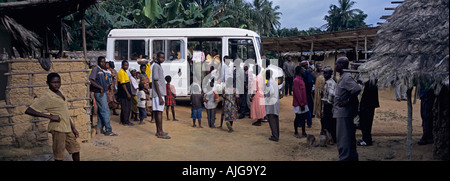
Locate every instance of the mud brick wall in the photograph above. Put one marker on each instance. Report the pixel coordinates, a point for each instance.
(26, 83)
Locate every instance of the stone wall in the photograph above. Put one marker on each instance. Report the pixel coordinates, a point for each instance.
(26, 82)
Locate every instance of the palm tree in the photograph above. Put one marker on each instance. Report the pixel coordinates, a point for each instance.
(266, 17)
(333, 19)
(343, 17)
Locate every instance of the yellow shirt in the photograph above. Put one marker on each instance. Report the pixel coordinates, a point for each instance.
(148, 71)
(54, 105)
(122, 77)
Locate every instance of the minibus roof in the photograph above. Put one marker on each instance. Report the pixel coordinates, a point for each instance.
(181, 32)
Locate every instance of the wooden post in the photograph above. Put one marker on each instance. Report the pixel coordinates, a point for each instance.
(61, 41)
(409, 125)
(83, 34)
(311, 51)
(356, 48)
(46, 43)
(365, 47)
(335, 59)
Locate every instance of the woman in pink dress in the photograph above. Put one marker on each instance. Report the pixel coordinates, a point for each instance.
(258, 109)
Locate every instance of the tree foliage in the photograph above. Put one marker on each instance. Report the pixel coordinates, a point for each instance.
(257, 15)
(342, 16)
(106, 15)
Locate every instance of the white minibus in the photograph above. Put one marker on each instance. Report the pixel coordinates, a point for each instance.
(178, 44)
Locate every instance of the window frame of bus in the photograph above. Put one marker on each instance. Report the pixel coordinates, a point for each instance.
(182, 48)
(230, 44)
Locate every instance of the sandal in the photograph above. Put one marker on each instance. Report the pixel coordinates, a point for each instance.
(362, 143)
(111, 134)
(164, 134)
(164, 137)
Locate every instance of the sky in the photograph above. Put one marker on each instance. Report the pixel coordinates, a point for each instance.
(304, 14)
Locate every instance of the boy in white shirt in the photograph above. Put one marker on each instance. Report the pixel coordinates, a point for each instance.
(142, 99)
(211, 99)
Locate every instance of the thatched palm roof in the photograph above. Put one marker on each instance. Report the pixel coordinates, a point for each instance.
(28, 21)
(413, 45)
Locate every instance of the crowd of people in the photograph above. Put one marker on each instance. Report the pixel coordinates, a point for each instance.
(341, 105)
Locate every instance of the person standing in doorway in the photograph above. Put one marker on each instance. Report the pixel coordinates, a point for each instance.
(345, 109)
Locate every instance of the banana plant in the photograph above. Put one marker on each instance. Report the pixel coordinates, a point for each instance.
(175, 15)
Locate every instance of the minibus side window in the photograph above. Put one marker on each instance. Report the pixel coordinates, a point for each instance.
(121, 50)
(175, 49)
(137, 49)
(129, 49)
(158, 46)
(241, 48)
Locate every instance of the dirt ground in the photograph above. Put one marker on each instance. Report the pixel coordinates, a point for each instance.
(250, 143)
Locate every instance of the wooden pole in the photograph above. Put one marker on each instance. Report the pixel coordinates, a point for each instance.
(335, 59)
(46, 43)
(409, 125)
(365, 47)
(83, 34)
(356, 48)
(311, 51)
(61, 40)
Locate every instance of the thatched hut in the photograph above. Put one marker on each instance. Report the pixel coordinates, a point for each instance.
(413, 47)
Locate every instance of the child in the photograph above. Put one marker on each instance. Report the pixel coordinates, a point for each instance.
(61, 127)
(170, 97)
(230, 109)
(141, 104)
(124, 94)
(134, 79)
(110, 93)
(196, 101)
(300, 102)
(144, 79)
(211, 99)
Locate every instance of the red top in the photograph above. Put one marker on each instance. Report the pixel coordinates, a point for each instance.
(299, 92)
